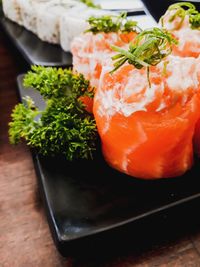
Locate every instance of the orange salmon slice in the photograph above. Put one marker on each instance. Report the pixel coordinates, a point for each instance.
(148, 132)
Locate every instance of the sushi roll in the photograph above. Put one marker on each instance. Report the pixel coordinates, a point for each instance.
(92, 50)
(147, 108)
(70, 27)
(183, 21)
(29, 13)
(12, 10)
(74, 24)
(48, 18)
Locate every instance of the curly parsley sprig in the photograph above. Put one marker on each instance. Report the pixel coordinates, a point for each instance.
(148, 49)
(64, 127)
(182, 10)
(113, 23)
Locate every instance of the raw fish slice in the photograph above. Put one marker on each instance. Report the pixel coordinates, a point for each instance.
(148, 132)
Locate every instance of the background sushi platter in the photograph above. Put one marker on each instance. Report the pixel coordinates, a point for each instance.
(37, 52)
(89, 203)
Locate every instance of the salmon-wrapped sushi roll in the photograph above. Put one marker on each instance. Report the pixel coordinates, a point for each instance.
(92, 50)
(146, 118)
(183, 21)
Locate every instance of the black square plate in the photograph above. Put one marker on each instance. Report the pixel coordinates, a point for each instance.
(87, 201)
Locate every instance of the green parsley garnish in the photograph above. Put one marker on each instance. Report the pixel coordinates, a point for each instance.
(182, 10)
(148, 49)
(90, 3)
(112, 24)
(64, 126)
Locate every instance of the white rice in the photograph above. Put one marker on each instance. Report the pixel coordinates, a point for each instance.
(12, 10)
(75, 23)
(48, 18)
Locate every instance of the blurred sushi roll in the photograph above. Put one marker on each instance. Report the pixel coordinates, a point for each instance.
(12, 10)
(75, 23)
(70, 27)
(72, 24)
(147, 122)
(183, 21)
(48, 18)
(29, 13)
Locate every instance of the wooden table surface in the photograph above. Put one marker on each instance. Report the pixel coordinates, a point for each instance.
(25, 240)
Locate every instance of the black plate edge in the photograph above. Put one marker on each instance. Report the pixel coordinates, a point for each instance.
(134, 13)
(21, 50)
(51, 222)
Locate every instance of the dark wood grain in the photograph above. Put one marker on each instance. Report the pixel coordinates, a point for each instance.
(25, 240)
(24, 235)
